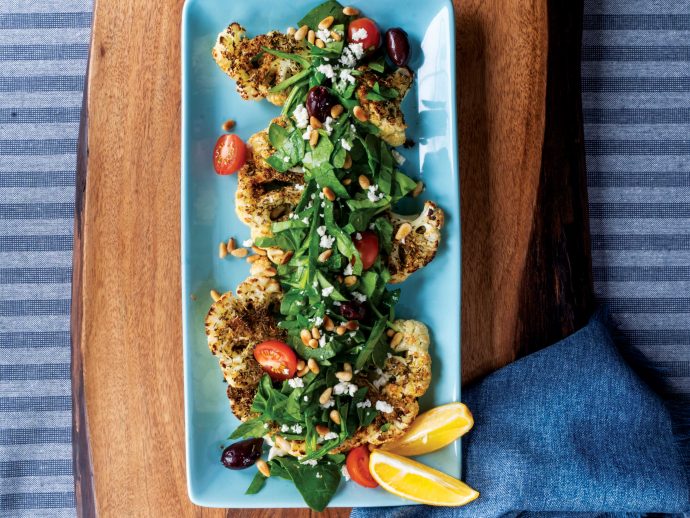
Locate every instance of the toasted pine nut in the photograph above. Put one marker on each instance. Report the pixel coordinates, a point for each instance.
(337, 111)
(258, 250)
(291, 31)
(320, 43)
(315, 333)
(328, 324)
(269, 272)
(301, 33)
(397, 338)
(346, 181)
(335, 416)
(282, 443)
(222, 250)
(313, 366)
(326, 22)
(311, 37)
(352, 325)
(314, 138)
(228, 125)
(314, 122)
(322, 429)
(215, 295)
(286, 257)
(303, 372)
(350, 280)
(305, 335)
(350, 11)
(364, 181)
(278, 211)
(231, 245)
(263, 468)
(325, 255)
(344, 376)
(336, 36)
(340, 330)
(418, 189)
(325, 395)
(300, 364)
(313, 343)
(328, 193)
(347, 367)
(253, 258)
(390, 333)
(348, 162)
(361, 115)
(239, 252)
(403, 231)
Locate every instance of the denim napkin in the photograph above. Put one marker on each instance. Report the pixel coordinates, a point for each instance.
(569, 428)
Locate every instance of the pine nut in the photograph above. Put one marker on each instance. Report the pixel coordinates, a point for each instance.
(336, 36)
(228, 125)
(390, 333)
(314, 138)
(344, 376)
(328, 324)
(418, 189)
(347, 367)
(253, 258)
(222, 250)
(348, 162)
(364, 182)
(397, 338)
(326, 22)
(403, 231)
(346, 181)
(313, 343)
(239, 252)
(258, 250)
(350, 11)
(352, 325)
(305, 335)
(300, 365)
(320, 43)
(361, 115)
(231, 245)
(322, 429)
(315, 333)
(303, 372)
(314, 122)
(328, 193)
(282, 443)
(350, 280)
(337, 111)
(291, 31)
(215, 295)
(325, 255)
(313, 366)
(335, 416)
(301, 33)
(269, 272)
(325, 395)
(263, 468)
(286, 257)
(311, 37)
(340, 330)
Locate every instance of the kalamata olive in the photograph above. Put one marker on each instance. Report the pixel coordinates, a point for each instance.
(398, 46)
(353, 310)
(319, 103)
(242, 454)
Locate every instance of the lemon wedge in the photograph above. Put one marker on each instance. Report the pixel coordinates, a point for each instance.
(410, 479)
(433, 430)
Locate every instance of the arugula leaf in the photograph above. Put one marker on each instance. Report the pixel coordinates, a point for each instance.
(257, 484)
(250, 429)
(329, 8)
(378, 65)
(297, 95)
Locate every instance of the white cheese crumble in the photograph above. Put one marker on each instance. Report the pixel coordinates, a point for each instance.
(318, 475)
(328, 125)
(364, 404)
(307, 134)
(248, 242)
(346, 474)
(326, 242)
(284, 428)
(357, 49)
(276, 452)
(348, 269)
(296, 383)
(351, 54)
(310, 462)
(265, 425)
(299, 186)
(358, 236)
(328, 404)
(324, 35)
(346, 75)
(326, 292)
(296, 428)
(372, 195)
(305, 220)
(318, 321)
(286, 371)
(322, 341)
(345, 388)
(330, 436)
(359, 297)
(306, 398)
(321, 230)
(301, 116)
(326, 70)
(337, 303)
(382, 379)
(347, 146)
(398, 157)
(383, 406)
(359, 34)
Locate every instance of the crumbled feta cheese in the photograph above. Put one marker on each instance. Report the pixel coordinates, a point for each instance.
(322, 341)
(318, 321)
(321, 196)
(328, 125)
(351, 54)
(372, 195)
(326, 242)
(358, 236)
(321, 230)
(383, 406)
(357, 49)
(307, 134)
(306, 398)
(330, 436)
(324, 35)
(381, 380)
(310, 462)
(248, 242)
(359, 297)
(364, 404)
(346, 75)
(328, 404)
(296, 428)
(318, 475)
(398, 157)
(359, 34)
(284, 428)
(265, 425)
(301, 116)
(346, 474)
(286, 159)
(326, 292)
(286, 371)
(348, 269)
(326, 70)
(313, 195)
(276, 452)
(305, 220)
(299, 186)
(296, 383)
(337, 303)
(345, 388)
(347, 146)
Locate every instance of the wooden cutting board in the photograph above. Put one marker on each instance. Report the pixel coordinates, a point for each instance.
(526, 274)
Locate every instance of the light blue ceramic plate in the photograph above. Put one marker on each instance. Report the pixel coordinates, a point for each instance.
(431, 295)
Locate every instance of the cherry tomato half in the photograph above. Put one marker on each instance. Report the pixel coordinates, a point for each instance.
(229, 154)
(364, 31)
(368, 248)
(277, 359)
(357, 463)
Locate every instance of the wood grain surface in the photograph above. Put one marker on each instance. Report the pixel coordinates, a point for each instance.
(127, 318)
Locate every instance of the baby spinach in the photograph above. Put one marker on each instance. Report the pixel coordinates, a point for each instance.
(317, 484)
(318, 13)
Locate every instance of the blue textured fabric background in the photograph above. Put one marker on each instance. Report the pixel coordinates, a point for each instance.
(43, 53)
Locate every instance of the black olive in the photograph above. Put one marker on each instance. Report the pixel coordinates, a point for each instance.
(319, 103)
(353, 310)
(398, 46)
(242, 454)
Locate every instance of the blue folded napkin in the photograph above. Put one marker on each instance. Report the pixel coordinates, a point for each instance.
(569, 429)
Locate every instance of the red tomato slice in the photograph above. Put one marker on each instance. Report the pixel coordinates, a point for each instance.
(364, 31)
(368, 248)
(277, 359)
(229, 154)
(357, 463)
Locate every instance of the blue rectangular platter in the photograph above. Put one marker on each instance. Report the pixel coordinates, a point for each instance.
(431, 295)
